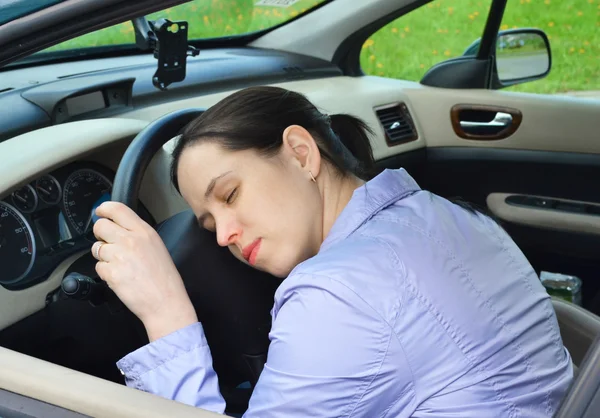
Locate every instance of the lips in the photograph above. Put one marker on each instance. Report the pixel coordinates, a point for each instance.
(250, 252)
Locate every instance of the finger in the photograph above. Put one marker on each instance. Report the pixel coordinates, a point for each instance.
(108, 231)
(103, 270)
(120, 214)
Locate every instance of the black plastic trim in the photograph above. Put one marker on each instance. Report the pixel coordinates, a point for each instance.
(459, 73)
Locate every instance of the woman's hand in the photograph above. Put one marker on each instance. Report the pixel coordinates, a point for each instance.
(134, 262)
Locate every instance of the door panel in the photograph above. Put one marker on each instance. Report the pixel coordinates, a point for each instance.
(549, 164)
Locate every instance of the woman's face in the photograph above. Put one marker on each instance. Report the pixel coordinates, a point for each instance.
(267, 211)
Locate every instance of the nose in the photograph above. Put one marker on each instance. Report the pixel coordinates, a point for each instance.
(228, 232)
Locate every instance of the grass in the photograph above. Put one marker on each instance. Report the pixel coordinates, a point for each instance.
(410, 45)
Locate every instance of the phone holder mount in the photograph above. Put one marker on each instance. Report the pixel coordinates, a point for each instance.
(169, 41)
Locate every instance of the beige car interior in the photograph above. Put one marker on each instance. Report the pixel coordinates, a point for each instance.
(544, 126)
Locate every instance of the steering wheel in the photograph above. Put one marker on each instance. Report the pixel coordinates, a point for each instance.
(233, 301)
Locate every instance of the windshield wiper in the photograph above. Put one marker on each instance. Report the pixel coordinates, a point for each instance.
(169, 41)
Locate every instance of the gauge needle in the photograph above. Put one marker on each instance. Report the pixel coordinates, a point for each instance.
(89, 221)
(22, 199)
(46, 192)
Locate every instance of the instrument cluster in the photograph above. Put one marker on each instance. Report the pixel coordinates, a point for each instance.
(47, 220)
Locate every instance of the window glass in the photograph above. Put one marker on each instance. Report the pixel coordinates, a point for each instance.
(206, 18)
(407, 47)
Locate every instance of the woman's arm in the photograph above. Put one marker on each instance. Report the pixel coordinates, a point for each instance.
(330, 355)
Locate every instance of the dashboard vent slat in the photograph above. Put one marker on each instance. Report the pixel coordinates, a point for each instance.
(397, 124)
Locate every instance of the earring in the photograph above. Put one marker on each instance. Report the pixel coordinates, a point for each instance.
(312, 177)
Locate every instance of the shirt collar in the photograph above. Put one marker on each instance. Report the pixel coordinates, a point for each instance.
(383, 190)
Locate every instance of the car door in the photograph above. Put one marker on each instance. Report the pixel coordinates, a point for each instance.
(513, 133)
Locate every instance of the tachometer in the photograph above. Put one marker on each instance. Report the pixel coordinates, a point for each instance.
(17, 245)
(82, 190)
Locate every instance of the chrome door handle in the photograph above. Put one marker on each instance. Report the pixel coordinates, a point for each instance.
(501, 120)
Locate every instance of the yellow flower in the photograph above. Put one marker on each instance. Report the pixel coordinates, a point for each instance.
(402, 35)
(476, 13)
(406, 29)
(514, 27)
(267, 12)
(227, 28)
(471, 17)
(372, 58)
(380, 73)
(440, 31)
(447, 53)
(379, 65)
(549, 37)
(368, 43)
(504, 27)
(394, 30)
(294, 13)
(528, 1)
(550, 24)
(547, 1)
(205, 18)
(435, 52)
(586, 43)
(579, 13)
(571, 50)
(582, 51)
(591, 1)
(240, 17)
(422, 66)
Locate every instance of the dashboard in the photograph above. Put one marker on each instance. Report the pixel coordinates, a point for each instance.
(48, 220)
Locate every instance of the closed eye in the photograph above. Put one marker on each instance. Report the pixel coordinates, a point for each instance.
(231, 196)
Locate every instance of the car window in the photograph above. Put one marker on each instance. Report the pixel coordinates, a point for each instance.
(573, 29)
(207, 19)
(407, 47)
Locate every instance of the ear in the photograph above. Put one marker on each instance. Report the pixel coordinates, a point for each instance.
(300, 145)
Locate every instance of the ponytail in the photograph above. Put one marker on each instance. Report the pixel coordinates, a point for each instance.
(354, 135)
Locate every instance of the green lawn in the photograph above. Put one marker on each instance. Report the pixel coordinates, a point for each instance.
(407, 47)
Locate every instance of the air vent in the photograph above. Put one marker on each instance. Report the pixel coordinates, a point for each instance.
(397, 123)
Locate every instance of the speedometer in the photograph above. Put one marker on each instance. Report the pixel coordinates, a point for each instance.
(82, 190)
(17, 245)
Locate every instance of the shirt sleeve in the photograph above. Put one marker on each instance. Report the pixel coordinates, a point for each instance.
(330, 355)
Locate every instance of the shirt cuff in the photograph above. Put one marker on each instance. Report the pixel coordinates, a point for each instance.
(161, 351)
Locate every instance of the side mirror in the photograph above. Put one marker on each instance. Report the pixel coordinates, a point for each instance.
(521, 55)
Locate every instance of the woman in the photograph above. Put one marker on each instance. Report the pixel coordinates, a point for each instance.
(395, 303)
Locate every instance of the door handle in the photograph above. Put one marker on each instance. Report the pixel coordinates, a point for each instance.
(484, 122)
(501, 120)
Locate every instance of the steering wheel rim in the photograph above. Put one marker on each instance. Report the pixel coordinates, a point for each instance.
(137, 157)
(233, 300)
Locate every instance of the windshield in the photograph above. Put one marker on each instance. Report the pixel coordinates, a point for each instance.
(14, 9)
(207, 19)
